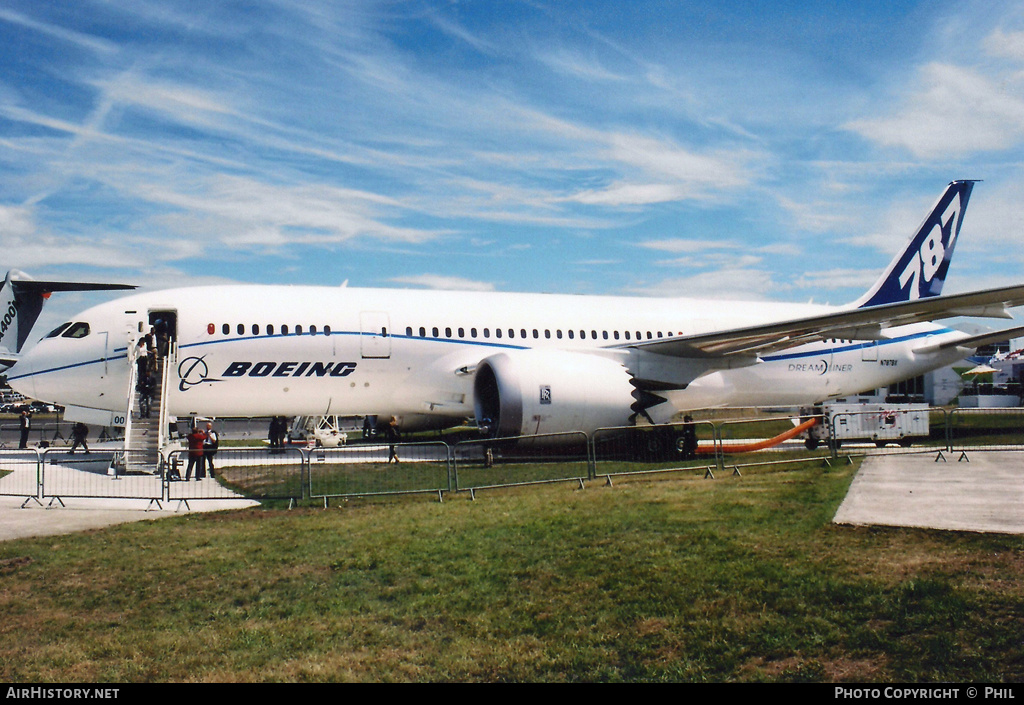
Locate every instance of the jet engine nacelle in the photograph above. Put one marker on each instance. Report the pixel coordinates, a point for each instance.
(528, 392)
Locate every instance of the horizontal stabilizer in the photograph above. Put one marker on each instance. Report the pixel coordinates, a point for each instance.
(23, 284)
(974, 341)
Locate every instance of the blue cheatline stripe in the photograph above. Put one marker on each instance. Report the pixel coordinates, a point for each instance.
(69, 367)
(857, 346)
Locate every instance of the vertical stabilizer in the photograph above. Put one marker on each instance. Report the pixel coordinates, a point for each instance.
(9, 320)
(16, 316)
(919, 270)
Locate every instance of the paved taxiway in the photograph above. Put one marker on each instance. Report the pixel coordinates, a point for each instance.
(984, 491)
(79, 514)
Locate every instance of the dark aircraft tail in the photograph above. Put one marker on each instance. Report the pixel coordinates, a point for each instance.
(21, 301)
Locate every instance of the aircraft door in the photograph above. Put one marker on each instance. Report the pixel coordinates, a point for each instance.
(165, 325)
(375, 335)
(106, 351)
(869, 353)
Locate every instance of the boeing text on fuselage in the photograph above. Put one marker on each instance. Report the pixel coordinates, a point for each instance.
(270, 368)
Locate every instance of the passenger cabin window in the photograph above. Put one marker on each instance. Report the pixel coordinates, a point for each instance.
(76, 330)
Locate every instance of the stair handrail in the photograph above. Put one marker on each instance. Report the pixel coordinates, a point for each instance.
(172, 352)
(133, 353)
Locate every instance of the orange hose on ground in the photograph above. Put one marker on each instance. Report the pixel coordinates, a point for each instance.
(758, 445)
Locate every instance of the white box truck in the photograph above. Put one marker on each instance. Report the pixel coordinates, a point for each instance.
(877, 423)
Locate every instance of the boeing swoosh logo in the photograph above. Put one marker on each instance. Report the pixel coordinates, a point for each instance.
(193, 371)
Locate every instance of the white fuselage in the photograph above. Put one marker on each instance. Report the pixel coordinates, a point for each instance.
(273, 350)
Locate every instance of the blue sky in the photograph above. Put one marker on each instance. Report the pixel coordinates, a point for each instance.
(739, 149)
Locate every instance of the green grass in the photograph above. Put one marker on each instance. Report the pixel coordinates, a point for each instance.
(985, 428)
(682, 579)
(372, 477)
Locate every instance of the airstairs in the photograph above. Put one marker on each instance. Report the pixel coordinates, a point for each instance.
(145, 432)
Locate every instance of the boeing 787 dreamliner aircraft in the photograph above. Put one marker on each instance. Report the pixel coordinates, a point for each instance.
(518, 363)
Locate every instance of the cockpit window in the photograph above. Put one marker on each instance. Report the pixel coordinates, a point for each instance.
(76, 330)
(58, 330)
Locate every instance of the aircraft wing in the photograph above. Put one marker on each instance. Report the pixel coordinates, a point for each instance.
(854, 323)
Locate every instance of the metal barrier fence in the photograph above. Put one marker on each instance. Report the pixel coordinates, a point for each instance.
(769, 440)
(239, 473)
(21, 474)
(629, 450)
(364, 469)
(99, 473)
(523, 460)
(985, 429)
(436, 467)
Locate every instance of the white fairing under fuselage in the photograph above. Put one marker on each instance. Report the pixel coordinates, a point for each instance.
(267, 350)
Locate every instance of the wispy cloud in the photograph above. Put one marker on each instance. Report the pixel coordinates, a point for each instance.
(497, 143)
(439, 281)
(54, 31)
(955, 110)
(688, 245)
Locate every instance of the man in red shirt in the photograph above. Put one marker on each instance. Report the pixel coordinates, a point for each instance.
(195, 454)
